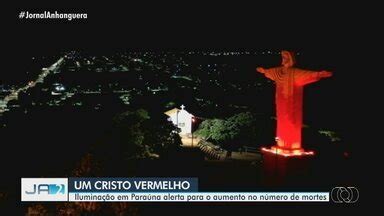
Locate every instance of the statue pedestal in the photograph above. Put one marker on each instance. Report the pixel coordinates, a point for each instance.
(286, 167)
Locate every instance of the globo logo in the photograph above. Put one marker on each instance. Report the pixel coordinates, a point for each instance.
(345, 194)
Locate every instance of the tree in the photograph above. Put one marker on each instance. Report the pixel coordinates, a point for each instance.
(231, 133)
(160, 135)
(137, 135)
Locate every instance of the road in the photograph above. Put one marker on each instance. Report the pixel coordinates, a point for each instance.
(13, 95)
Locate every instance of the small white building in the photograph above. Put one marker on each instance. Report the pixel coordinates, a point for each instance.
(182, 119)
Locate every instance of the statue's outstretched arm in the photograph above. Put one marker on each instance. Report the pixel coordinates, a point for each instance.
(325, 74)
(270, 72)
(304, 77)
(261, 70)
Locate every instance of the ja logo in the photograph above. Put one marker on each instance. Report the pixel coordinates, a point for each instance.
(44, 189)
(47, 189)
(344, 194)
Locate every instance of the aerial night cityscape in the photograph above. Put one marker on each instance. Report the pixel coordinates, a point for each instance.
(105, 114)
(161, 113)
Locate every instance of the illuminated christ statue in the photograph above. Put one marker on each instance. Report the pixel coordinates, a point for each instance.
(289, 102)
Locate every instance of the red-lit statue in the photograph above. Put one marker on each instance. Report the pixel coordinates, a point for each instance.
(289, 102)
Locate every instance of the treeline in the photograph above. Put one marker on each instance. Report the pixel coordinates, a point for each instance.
(248, 129)
(242, 129)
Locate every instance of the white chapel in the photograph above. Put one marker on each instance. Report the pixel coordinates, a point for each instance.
(182, 119)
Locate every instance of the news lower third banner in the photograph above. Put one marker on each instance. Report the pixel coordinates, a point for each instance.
(146, 190)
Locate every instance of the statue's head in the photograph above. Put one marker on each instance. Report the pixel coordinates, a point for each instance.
(287, 58)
